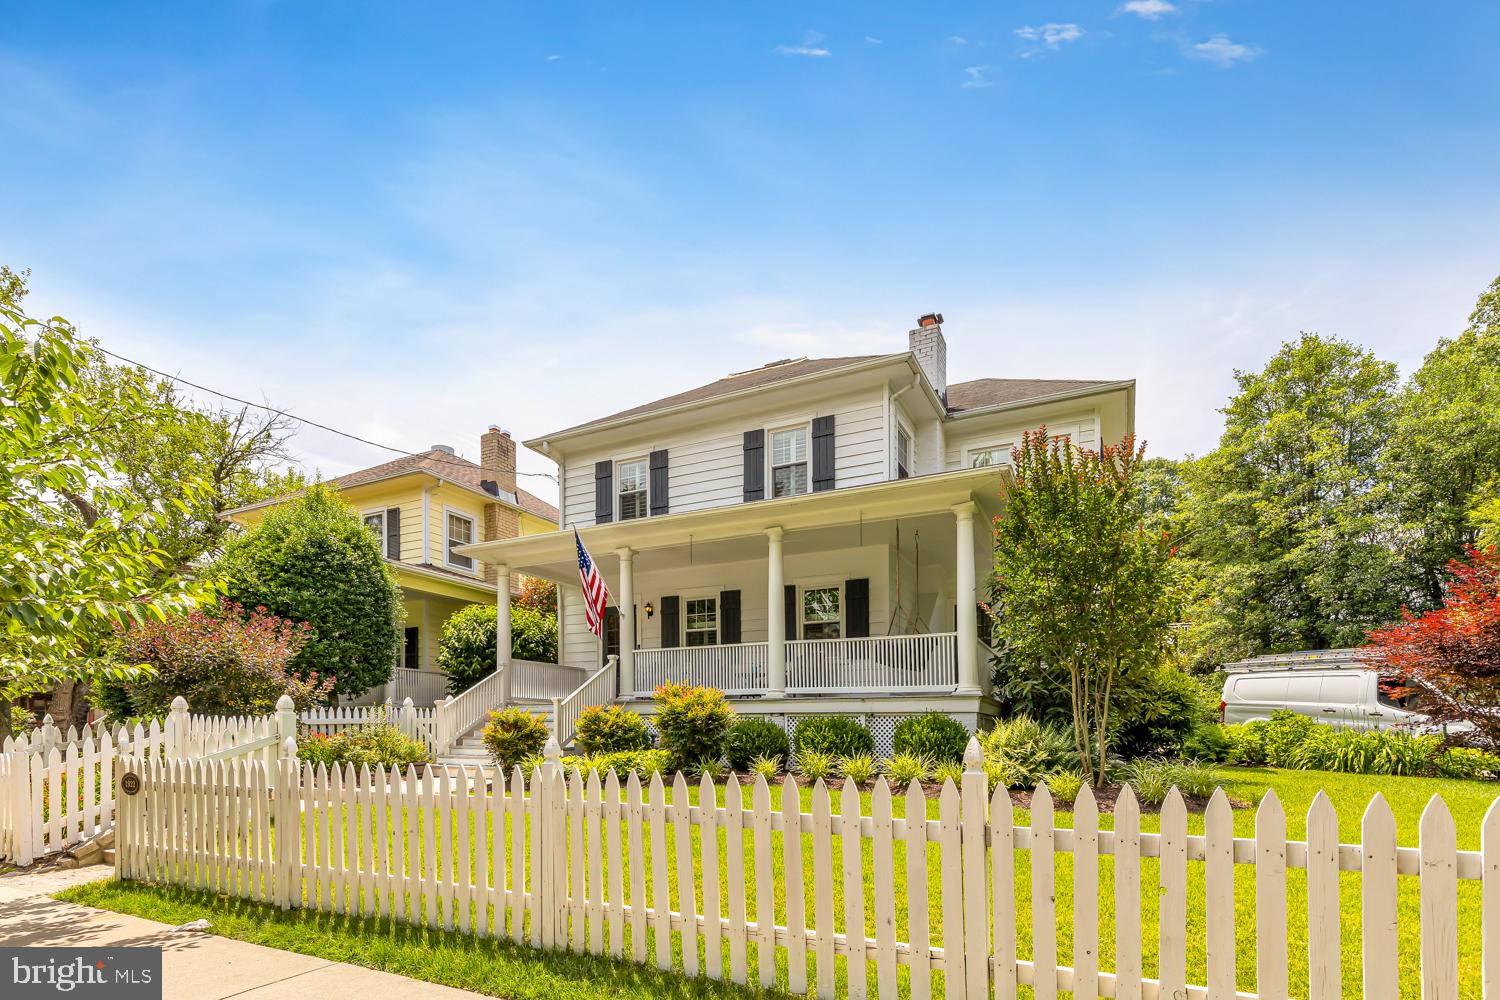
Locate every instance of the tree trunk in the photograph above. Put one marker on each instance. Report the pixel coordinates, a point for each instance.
(69, 705)
(5, 731)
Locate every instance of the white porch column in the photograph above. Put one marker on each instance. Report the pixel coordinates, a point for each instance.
(775, 618)
(967, 596)
(502, 630)
(627, 622)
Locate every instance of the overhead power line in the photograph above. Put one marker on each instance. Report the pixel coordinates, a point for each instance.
(303, 420)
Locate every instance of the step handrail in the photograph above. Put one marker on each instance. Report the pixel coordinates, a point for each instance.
(601, 688)
(455, 715)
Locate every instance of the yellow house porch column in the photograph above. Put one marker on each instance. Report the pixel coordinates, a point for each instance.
(627, 622)
(775, 620)
(502, 630)
(967, 595)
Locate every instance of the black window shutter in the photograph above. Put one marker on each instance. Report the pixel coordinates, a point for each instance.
(729, 616)
(604, 492)
(789, 610)
(659, 500)
(822, 453)
(856, 609)
(670, 633)
(393, 533)
(755, 465)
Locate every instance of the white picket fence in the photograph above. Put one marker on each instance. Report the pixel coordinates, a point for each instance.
(414, 722)
(550, 873)
(58, 789)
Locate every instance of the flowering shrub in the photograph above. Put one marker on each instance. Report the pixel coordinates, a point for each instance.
(370, 745)
(223, 660)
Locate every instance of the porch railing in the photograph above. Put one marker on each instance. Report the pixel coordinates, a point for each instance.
(544, 681)
(423, 687)
(733, 669)
(879, 664)
(599, 689)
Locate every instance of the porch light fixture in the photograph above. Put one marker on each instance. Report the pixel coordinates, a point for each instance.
(649, 610)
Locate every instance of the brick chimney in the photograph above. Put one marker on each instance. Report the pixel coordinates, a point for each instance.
(497, 459)
(931, 349)
(497, 463)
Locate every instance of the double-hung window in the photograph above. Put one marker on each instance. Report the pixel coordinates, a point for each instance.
(375, 521)
(821, 616)
(460, 532)
(903, 452)
(632, 477)
(702, 621)
(986, 457)
(789, 473)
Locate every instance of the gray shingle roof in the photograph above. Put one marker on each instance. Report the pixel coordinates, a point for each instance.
(984, 392)
(440, 463)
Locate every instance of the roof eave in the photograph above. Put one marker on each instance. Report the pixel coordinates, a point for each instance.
(1053, 397)
(439, 480)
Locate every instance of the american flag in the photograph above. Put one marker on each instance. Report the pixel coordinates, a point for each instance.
(595, 593)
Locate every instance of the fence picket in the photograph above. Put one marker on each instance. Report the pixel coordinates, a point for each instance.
(734, 884)
(708, 846)
(515, 808)
(1085, 894)
(883, 872)
(854, 891)
(1127, 847)
(796, 899)
(1324, 960)
(951, 869)
(593, 806)
(661, 902)
(616, 868)
(822, 847)
(578, 892)
(1218, 886)
(1489, 902)
(1270, 898)
(1043, 892)
(687, 901)
(1173, 938)
(1439, 908)
(765, 890)
(917, 902)
(1003, 892)
(636, 839)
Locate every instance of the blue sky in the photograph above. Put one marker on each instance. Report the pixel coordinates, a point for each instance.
(414, 220)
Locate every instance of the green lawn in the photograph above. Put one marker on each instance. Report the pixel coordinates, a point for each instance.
(504, 970)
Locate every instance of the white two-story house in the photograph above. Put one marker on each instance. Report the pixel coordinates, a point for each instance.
(811, 536)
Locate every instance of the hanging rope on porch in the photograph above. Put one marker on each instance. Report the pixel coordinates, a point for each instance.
(918, 625)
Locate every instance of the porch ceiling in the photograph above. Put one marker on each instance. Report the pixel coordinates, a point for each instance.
(815, 521)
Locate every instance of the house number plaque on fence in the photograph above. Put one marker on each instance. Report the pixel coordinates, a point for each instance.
(130, 782)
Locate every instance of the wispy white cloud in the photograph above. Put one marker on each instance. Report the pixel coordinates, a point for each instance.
(554, 57)
(1054, 36)
(872, 40)
(1222, 52)
(810, 46)
(957, 40)
(1150, 10)
(977, 78)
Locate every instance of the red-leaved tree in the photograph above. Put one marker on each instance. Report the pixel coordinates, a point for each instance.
(1452, 654)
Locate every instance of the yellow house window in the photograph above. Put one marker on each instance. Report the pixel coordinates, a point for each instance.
(460, 532)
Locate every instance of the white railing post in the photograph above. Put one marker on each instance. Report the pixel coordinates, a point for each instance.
(441, 725)
(179, 724)
(556, 719)
(286, 721)
(50, 735)
(408, 718)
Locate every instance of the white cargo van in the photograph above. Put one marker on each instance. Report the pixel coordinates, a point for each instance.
(1331, 686)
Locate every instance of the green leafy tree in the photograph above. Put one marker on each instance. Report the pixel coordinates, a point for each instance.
(80, 554)
(1084, 592)
(1292, 536)
(312, 560)
(466, 643)
(1443, 462)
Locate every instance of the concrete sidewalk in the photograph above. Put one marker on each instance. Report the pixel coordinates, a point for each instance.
(196, 966)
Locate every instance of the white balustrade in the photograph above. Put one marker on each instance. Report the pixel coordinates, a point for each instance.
(600, 689)
(544, 681)
(877, 665)
(423, 687)
(735, 669)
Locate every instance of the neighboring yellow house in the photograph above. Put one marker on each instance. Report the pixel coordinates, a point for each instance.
(422, 507)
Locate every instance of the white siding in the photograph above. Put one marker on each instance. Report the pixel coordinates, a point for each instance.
(706, 465)
(1006, 433)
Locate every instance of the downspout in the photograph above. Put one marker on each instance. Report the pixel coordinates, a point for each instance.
(891, 411)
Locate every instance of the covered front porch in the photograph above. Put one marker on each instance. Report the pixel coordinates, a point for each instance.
(867, 592)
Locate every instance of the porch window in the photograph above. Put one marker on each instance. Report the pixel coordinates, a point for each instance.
(702, 621)
(903, 452)
(631, 476)
(460, 532)
(375, 521)
(821, 608)
(411, 649)
(789, 462)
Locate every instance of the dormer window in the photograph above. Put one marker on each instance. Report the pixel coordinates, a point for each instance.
(632, 477)
(789, 475)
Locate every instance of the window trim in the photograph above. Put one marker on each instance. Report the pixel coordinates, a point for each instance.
(805, 426)
(706, 595)
(448, 512)
(903, 427)
(998, 444)
(645, 461)
(385, 541)
(829, 584)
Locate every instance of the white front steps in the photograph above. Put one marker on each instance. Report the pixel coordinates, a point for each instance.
(469, 751)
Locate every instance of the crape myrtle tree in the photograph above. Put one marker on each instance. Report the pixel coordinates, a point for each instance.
(1452, 653)
(80, 553)
(312, 560)
(1084, 592)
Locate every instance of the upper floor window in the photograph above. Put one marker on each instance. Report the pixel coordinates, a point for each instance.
(702, 622)
(460, 532)
(821, 612)
(789, 474)
(984, 457)
(632, 477)
(375, 521)
(903, 452)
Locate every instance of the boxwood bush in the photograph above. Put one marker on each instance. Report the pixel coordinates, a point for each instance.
(752, 738)
(692, 723)
(838, 735)
(934, 736)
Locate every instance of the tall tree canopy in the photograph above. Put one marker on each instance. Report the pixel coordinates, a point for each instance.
(1443, 463)
(80, 553)
(1290, 529)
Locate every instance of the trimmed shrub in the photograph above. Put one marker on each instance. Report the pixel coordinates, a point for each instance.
(752, 738)
(934, 736)
(513, 734)
(835, 735)
(1297, 742)
(610, 729)
(692, 723)
(312, 560)
(372, 745)
(466, 642)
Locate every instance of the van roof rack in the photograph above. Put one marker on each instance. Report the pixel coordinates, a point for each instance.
(1311, 659)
